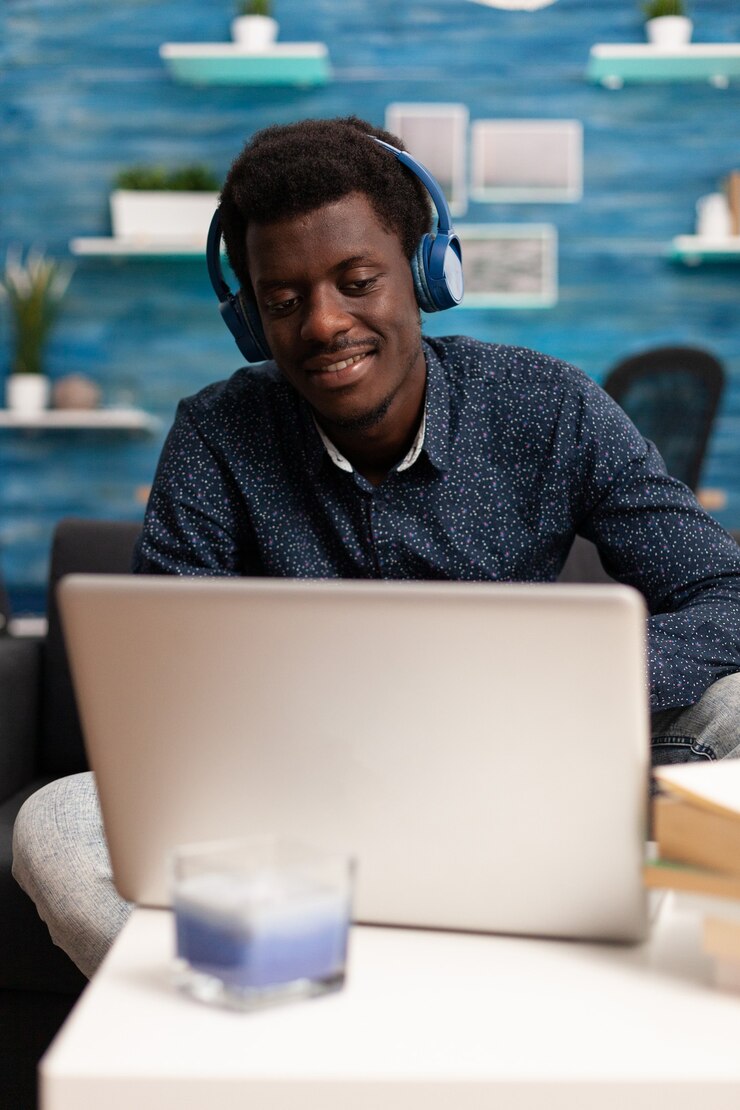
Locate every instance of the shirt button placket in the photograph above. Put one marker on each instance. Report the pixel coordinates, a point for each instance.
(376, 515)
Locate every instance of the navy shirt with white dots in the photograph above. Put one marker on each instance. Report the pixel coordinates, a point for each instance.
(520, 453)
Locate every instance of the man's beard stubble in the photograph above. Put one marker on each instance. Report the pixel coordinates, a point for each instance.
(363, 421)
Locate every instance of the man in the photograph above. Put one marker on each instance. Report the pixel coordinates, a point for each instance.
(363, 450)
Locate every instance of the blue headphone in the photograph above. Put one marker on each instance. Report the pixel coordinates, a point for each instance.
(436, 267)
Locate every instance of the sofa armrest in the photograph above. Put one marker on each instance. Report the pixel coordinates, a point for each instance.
(20, 685)
(583, 564)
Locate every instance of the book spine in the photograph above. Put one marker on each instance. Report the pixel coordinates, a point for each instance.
(665, 875)
(726, 974)
(721, 937)
(701, 838)
(732, 191)
(721, 942)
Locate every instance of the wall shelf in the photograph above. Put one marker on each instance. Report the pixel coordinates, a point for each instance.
(216, 63)
(106, 419)
(694, 249)
(120, 247)
(617, 64)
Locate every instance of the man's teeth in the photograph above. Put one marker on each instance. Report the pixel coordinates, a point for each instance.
(341, 365)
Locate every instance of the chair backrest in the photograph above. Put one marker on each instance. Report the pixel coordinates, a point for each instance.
(4, 608)
(89, 547)
(671, 394)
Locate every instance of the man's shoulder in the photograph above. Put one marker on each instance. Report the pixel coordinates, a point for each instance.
(247, 395)
(473, 358)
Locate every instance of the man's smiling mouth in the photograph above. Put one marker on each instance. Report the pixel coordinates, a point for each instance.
(337, 366)
(342, 372)
(334, 366)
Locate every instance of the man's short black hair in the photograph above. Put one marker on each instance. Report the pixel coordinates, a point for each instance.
(287, 171)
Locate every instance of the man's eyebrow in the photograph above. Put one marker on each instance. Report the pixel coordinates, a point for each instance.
(264, 285)
(276, 283)
(356, 260)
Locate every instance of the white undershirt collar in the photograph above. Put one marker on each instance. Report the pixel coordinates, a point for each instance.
(409, 459)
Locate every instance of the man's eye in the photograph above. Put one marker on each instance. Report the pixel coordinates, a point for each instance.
(275, 308)
(361, 285)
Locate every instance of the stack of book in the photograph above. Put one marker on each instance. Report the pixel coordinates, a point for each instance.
(696, 825)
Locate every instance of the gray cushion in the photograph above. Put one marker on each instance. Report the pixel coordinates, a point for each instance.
(28, 959)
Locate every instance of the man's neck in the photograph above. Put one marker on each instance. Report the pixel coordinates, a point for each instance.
(373, 452)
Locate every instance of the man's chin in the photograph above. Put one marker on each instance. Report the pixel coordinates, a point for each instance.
(360, 421)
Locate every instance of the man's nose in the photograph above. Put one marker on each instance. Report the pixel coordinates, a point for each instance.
(325, 316)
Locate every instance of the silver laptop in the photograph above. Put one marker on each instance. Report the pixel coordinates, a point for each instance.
(480, 749)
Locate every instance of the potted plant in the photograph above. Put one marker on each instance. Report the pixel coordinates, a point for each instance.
(666, 23)
(254, 28)
(34, 289)
(151, 202)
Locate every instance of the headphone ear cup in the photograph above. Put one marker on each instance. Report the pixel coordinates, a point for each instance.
(424, 295)
(253, 325)
(254, 348)
(437, 270)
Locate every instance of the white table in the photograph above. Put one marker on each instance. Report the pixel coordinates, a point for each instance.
(427, 1021)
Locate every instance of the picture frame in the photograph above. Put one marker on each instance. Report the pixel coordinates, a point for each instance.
(527, 160)
(437, 136)
(509, 265)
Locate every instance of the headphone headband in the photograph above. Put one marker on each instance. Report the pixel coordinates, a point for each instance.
(444, 217)
(436, 268)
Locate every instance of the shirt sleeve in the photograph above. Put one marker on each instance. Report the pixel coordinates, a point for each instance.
(195, 523)
(652, 534)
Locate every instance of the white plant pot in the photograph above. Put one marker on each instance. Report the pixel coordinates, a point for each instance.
(27, 394)
(158, 214)
(254, 32)
(668, 31)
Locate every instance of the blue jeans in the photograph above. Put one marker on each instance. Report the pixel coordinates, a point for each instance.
(708, 730)
(61, 860)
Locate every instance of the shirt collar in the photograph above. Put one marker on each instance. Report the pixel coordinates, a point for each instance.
(409, 459)
(432, 437)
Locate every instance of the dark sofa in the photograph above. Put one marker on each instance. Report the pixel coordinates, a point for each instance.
(40, 740)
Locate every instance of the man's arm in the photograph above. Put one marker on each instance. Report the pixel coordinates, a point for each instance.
(652, 534)
(195, 521)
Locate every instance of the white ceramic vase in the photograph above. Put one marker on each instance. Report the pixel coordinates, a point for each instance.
(713, 216)
(254, 32)
(668, 31)
(27, 394)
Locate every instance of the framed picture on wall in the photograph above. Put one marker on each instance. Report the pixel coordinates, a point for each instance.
(436, 135)
(526, 160)
(509, 265)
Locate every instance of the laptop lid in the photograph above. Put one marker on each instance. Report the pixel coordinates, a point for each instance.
(480, 748)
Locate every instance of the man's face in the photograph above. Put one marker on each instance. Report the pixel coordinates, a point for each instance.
(335, 294)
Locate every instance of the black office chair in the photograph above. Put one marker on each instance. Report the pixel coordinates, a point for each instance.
(671, 394)
(4, 609)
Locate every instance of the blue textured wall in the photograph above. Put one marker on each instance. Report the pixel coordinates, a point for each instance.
(84, 94)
